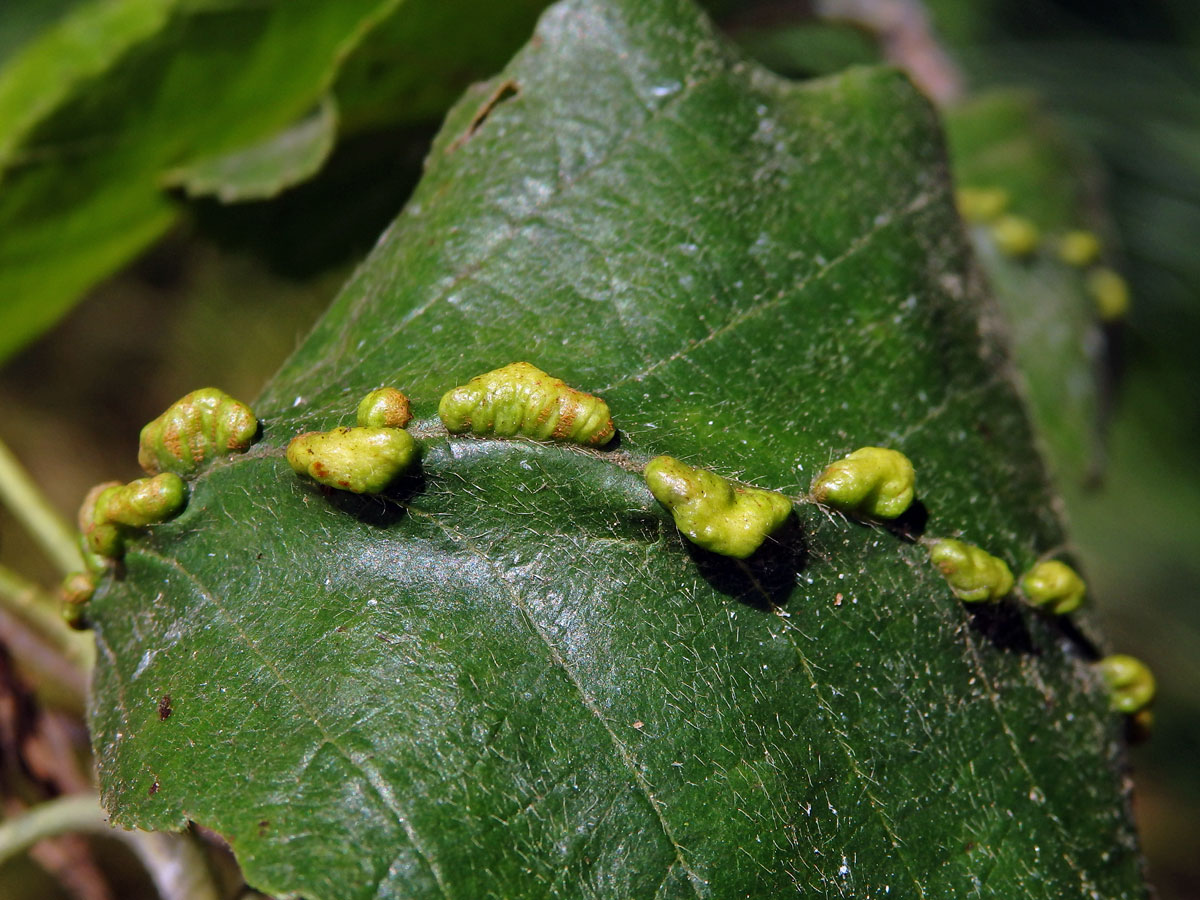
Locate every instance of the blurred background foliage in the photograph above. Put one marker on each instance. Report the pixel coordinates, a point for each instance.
(230, 289)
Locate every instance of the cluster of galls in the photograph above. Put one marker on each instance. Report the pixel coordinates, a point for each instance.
(519, 400)
(1019, 237)
(196, 428)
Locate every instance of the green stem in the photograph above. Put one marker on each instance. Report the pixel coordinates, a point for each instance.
(30, 605)
(27, 502)
(175, 863)
(76, 812)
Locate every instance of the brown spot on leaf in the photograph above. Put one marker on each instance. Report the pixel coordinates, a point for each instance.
(164, 708)
(506, 90)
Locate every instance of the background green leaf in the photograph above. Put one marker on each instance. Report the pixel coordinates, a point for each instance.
(1003, 139)
(262, 170)
(509, 676)
(124, 97)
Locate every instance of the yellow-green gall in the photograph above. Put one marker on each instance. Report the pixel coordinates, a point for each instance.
(142, 502)
(1109, 292)
(1130, 682)
(111, 510)
(1015, 235)
(711, 511)
(973, 574)
(74, 594)
(195, 428)
(77, 589)
(977, 204)
(94, 562)
(1055, 585)
(101, 537)
(384, 408)
(872, 481)
(521, 399)
(1079, 248)
(361, 460)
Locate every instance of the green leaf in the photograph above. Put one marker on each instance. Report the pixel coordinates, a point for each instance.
(128, 97)
(65, 57)
(82, 194)
(417, 62)
(1003, 139)
(509, 676)
(264, 169)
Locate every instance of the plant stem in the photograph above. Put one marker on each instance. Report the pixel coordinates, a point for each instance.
(27, 602)
(27, 502)
(175, 863)
(75, 812)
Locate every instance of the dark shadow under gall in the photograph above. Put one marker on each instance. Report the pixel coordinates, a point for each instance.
(1003, 626)
(379, 510)
(911, 525)
(1079, 641)
(766, 579)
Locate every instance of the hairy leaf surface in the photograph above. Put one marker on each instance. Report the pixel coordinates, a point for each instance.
(509, 676)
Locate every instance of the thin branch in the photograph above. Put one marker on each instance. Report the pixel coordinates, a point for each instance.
(56, 683)
(28, 603)
(29, 505)
(64, 815)
(905, 34)
(175, 863)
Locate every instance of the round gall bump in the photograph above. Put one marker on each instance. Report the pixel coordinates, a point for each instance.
(197, 427)
(145, 501)
(522, 400)
(384, 408)
(1109, 292)
(1130, 682)
(1015, 235)
(871, 481)
(1079, 248)
(977, 204)
(1054, 585)
(974, 575)
(711, 511)
(359, 460)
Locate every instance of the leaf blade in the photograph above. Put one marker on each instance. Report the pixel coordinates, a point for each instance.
(530, 685)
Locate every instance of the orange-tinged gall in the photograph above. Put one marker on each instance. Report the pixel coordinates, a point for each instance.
(77, 589)
(142, 502)
(522, 400)
(384, 408)
(871, 481)
(195, 428)
(1054, 585)
(360, 460)
(1130, 682)
(101, 537)
(112, 511)
(981, 204)
(974, 575)
(1015, 235)
(711, 511)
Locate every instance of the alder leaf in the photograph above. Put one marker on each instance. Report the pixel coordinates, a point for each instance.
(509, 676)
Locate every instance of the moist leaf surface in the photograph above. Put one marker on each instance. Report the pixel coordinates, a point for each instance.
(509, 676)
